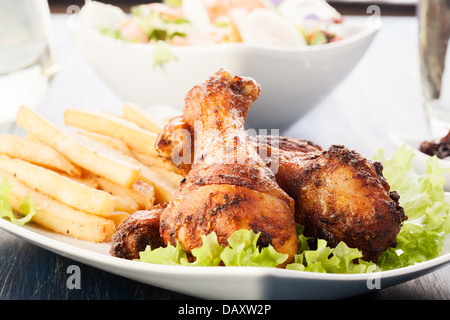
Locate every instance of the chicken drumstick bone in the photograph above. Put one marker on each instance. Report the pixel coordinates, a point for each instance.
(228, 187)
(339, 195)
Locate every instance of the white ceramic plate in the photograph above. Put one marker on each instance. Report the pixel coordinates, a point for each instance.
(420, 158)
(225, 282)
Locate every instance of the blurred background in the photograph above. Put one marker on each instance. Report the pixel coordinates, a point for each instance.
(346, 7)
(382, 95)
(394, 48)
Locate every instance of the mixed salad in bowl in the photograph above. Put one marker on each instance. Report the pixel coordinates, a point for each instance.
(157, 47)
(293, 23)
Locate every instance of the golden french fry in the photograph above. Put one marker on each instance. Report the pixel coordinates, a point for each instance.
(59, 217)
(164, 190)
(173, 178)
(118, 217)
(112, 126)
(125, 204)
(142, 117)
(141, 194)
(116, 144)
(86, 179)
(92, 158)
(144, 194)
(155, 161)
(164, 168)
(59, 187)
(36, 152)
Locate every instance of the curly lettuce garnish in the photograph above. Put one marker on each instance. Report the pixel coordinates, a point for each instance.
(27, 207)
(324, 259)
(244, 251)
(422, 196)
(241, 251)
(421, 237)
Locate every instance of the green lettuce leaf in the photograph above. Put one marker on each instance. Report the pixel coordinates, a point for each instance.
(168, 255)
(324, 259)
(209, 253)
(421, 237)
(27, 207)
(422, 196)
(242, 251)
(162, 53)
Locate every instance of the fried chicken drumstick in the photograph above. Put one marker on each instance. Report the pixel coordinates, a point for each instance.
(339, 195)
(228, 187)
(139, 230)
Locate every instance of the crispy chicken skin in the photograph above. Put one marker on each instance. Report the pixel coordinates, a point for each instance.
(231, 183)
(136, 232)
(228, 187)
(339, 196)
(175, 142)
(282, 143)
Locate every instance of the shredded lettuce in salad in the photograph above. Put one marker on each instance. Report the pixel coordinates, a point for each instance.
(162, 53)
(27, 207)
(421, 237)
(203, 22)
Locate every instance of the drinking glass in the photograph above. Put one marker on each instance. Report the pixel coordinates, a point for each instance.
(27, 55)
(434, 33)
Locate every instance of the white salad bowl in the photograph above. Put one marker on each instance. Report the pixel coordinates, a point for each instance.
(293, 80)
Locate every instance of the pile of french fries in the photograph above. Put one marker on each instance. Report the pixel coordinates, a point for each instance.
(87, 178)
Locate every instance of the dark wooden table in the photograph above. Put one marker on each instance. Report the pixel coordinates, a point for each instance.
(381, 95)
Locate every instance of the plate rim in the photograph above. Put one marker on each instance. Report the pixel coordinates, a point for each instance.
(81, 254)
